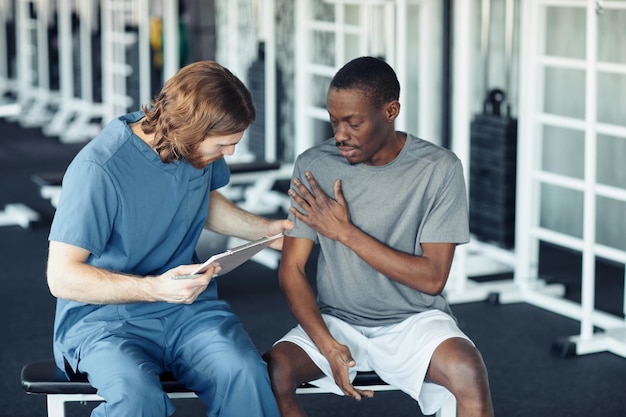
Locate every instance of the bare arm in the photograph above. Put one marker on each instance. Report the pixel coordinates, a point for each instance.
(331, 217)
(227, 218)
(71, 278)
(303, 305)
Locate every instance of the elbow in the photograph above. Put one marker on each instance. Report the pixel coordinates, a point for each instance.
(434, 291)
(435, 286)
(54, 287)
(55, 284)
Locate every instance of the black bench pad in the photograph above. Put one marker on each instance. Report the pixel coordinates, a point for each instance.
(43, 377)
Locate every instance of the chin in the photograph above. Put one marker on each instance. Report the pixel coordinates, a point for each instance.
(354, 160)
(213, 159)
(202, 163)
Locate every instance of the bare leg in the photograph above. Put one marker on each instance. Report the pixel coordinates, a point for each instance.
(458, 365)
(289, 366)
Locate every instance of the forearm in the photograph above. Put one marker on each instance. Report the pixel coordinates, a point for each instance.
(425, 273)
(88, 284)
(227, 218)
(302, 303)
(71, 278)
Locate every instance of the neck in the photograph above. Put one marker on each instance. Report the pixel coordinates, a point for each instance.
(398, 143)
(137, 130)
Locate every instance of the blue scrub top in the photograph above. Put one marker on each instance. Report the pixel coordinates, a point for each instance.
(134, 214)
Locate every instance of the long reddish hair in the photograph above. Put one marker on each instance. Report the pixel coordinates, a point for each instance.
(201, 100)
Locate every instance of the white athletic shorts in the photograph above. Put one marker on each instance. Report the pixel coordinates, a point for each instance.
(399, 353)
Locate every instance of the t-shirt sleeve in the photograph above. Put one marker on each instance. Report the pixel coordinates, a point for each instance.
(447, 219)
(86, 209)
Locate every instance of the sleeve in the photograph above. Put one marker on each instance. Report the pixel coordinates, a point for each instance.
(87, 208)
(447, 219)
(220, 175)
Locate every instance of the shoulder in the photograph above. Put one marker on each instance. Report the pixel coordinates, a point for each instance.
(430, 151)
(424, 154)
(323, 154)
(108, 142)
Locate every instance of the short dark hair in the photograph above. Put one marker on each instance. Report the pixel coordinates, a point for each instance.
(372, 75)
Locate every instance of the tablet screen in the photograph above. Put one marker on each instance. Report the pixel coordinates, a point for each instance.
(234, 257)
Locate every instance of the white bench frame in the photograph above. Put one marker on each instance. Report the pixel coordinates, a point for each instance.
(56, 402)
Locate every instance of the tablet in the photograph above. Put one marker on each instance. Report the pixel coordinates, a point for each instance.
(234, 257)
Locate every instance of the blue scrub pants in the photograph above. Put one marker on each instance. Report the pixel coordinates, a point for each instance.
(207, 350)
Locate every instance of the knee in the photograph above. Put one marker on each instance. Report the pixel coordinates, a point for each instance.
(136, 382)
(280, 369)
(245, 365)
(462, 370)
(469, 382)
(470, 374)
(469, 371)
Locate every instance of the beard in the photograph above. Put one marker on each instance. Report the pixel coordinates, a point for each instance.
(199, 161)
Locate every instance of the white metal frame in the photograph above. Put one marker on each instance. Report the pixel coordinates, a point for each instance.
(526, 286)
(5, 16)
(72, 121)
(447, 410)
(56, 402)
(479, 258)
(530, 176)
(8, 107)
(35, 98)
(116, 38)
(269, 37)
(116, 14)
(71, 116)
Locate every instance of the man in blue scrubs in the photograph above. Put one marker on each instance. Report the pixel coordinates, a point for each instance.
(135, 200)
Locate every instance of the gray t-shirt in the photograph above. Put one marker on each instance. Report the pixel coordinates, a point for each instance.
(418, 197)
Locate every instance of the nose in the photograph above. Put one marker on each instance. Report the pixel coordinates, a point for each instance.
(340, 133)
(228, 150)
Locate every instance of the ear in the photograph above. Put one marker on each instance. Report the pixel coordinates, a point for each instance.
(392, 110)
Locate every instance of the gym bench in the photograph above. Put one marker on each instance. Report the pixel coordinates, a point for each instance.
(44, 378)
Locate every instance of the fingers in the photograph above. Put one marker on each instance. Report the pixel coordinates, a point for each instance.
(351, 390)
(356, 393)
(182, 287)
(339, 193)
(367, 393)
(305, 194)
(312, 182)
(344, 362)
(303, 197)
(297, 198)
